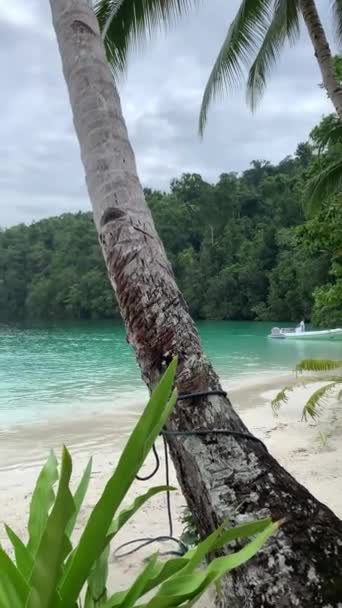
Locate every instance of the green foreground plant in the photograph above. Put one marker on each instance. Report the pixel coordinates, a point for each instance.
(190, 535)
(49, 572)
(321, 367)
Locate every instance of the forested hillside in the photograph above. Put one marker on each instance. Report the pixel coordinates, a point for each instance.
(241, 248)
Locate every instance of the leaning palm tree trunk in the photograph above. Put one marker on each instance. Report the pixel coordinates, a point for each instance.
(322, 53)
(220, 475)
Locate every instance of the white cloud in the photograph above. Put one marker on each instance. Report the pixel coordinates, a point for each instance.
(40, 168)
(18, 12)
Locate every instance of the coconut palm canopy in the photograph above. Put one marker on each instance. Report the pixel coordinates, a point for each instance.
(254, 40)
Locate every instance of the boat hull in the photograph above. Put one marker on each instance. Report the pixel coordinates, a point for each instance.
(326, 334)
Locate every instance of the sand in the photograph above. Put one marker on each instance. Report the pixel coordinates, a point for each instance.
(312, 453)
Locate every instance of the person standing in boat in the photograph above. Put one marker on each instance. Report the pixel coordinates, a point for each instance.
(300, 328)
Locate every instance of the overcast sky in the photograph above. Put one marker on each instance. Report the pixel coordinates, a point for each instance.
(40, 169)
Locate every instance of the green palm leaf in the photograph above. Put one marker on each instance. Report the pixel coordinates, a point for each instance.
(318, 365)
(284, 25)
(245, 34)
(130, 22)
(280, 398)
(310, 409)
(337, 18)
(330, 136)
(324, 184)
(312, 405)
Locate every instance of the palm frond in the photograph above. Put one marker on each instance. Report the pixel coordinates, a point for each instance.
(331, 136)
(324, 184)
(284, 25)
(114, 10)
(337, 18)
(318, 365)
(244, 37)
(128, 22)
(311, 408)
(281, 398)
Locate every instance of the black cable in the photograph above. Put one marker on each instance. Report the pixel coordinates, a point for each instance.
(144, 542)
(149, 540)
(167, 480)
(156, 468)
(184, 396)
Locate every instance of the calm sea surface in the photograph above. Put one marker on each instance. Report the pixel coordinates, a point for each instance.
(69, 368)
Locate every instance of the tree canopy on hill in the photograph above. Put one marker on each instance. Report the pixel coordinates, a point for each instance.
(241, 248)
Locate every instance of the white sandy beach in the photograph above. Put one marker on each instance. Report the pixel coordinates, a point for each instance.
(295, 444)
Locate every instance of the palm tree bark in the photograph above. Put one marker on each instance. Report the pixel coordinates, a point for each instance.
(220, 476)
(322, 53)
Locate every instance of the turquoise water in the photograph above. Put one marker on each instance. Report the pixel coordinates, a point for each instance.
(46, 371)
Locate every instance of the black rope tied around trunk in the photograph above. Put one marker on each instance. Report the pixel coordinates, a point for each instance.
(182, 548)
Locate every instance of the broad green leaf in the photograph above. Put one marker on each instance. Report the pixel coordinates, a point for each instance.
(140, 442)
(161, 572)
(165, 570)
(126, 514)
(42, 500)
(128, 598)
(88, 600)
(115, 600)
(243, 531)
(212, 543)
(181, 588)
(222, 565)
(52, 548)
(79, 497)
(136, 589)
(97, 581)
(13, 587)
(23, 557)
(199, 553)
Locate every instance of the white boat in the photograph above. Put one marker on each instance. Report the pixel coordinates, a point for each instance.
(296, 333)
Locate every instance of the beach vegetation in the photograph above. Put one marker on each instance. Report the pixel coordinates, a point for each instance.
(52, 570)
(325, 371)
